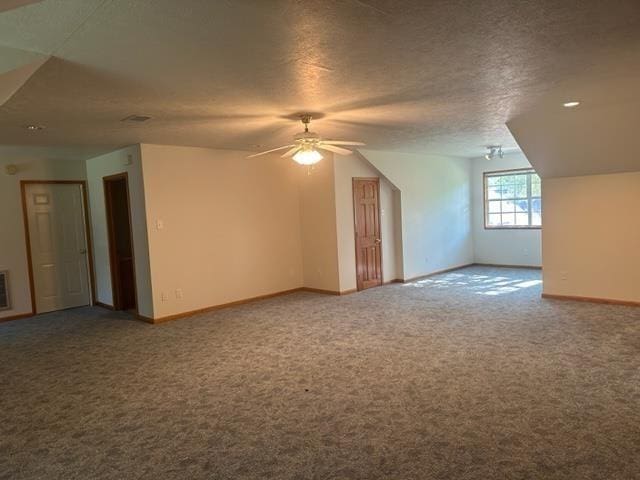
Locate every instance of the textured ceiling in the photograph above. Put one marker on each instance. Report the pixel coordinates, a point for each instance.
(599, 136)
(412, 76)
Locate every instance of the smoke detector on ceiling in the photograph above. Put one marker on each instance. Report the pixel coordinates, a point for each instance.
(136, 118)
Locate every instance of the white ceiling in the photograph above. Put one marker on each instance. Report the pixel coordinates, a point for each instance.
(412, 76)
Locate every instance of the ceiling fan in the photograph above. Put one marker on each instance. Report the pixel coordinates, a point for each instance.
(305, 146)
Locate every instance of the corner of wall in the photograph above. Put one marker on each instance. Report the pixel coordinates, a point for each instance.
(358, 166)
(127, 159)
(31, 164)
(500, 247)
(319, 238)
(435, 208)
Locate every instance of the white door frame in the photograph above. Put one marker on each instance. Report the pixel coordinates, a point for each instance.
(85, 204)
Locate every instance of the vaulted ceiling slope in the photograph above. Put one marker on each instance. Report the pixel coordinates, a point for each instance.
(599, 136)
(15, 70)
(406, 75)
(11, 4)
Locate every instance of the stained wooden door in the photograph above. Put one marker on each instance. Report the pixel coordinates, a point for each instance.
(366, 206)
(58, 245)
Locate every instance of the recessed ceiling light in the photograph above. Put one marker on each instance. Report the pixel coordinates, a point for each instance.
(34, 128)
(570, 104)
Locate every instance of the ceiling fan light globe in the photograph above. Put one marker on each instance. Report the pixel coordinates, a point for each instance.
(307, 157)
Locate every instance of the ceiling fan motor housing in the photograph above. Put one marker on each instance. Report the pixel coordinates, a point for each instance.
(303, 150)
(307, 137)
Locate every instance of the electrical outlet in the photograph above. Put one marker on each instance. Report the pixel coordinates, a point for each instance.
(563, 275)
(159, 224)
(178, 293)
(164, 297)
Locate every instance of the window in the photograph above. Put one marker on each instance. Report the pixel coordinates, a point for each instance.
(512, 199)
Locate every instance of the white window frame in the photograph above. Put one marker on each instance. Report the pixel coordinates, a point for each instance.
(529, 198)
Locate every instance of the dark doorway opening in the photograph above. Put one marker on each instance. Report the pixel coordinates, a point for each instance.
(121, 257)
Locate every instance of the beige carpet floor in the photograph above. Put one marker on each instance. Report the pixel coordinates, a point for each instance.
(465, 375)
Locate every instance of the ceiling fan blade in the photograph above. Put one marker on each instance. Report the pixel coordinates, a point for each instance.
(334, 149)
(289, 153)
(342, 142)
(269, 151)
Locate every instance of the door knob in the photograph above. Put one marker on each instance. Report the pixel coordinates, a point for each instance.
(378, 240)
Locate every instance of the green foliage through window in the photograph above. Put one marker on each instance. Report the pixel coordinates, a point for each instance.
(513, 199)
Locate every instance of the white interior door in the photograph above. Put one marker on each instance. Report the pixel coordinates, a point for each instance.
(55, 213)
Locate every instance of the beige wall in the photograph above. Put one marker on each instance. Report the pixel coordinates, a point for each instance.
(97, 168)
(435, 209)
(318, 230)
(230, 226)
(13, 253)
(353, 166)
(501, 247)
(591, 236)
(234, 228)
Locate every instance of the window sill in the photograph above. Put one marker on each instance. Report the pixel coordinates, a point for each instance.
(512, 228)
